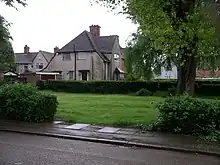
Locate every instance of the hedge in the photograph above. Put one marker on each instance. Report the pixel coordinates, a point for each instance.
(202, 87)
(111, 87)
(25, 103)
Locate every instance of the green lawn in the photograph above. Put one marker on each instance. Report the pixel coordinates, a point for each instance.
(121, 110)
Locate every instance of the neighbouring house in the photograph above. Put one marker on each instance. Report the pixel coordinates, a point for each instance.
(167, 74)
(97, 57)
(200, 73)
(33, 61)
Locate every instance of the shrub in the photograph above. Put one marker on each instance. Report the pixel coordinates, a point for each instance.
(172, 91)
(188, 115)
(25, 103)
(202, 87)
(112, 87)
(161, 94)
(144, 92)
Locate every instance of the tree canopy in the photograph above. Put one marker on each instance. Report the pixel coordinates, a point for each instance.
(142, 60)
(7, 58)
(6, 51)
(184, 30)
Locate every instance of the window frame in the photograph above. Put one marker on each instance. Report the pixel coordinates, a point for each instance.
(65, 55)
(39, 65)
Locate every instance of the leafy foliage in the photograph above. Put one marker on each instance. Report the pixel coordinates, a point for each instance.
(116, 87)
(203, 88)
(142, 60)
(144, 92)
(7, 59)
(188, 115)
(185, 31)
(26, 103)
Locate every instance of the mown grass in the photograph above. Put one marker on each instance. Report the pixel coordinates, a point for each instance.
(120, 110)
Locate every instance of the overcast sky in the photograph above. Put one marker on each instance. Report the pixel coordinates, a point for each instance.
(44, 24)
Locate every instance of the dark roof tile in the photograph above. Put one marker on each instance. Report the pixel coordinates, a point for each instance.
(86, 42)
(48, 56)
(105, 43)
(81, 43)
(24, 58)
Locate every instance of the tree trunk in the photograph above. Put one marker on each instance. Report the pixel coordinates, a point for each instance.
(180, 79)
(190, 75)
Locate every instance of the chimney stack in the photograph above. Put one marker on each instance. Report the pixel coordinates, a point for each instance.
(26, 49)
(95, 30)
(56, 49)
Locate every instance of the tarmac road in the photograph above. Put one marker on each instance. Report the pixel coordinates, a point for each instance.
(20, 149)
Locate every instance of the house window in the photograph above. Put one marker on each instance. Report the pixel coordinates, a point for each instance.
(70, 75)
(66, 57)
(26, 68)
(81, 57)
(39, 65)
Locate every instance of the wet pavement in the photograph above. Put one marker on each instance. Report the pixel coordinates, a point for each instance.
(20, 149)
(112, 133)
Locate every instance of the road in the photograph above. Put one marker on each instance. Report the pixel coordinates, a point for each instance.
(20, 149)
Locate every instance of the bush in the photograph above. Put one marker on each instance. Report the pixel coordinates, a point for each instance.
(172, 91)
(202, 87)
(144, 92)
(111, 87)
(161, 94)
(188, 115)
(25, 103)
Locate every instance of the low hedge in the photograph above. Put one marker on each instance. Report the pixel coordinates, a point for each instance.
(111, 87)
(202, 87)
(189, 115)
(25, 103)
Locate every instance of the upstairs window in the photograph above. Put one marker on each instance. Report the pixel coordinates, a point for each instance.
(66, 57)
(26, 68)
(39, 66)
(81, 56)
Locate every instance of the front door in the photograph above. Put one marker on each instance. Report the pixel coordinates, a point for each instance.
(84, 75)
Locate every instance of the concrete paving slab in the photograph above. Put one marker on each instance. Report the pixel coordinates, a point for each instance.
(108, 130)
(92, 128)
(77, 126)
(127, 131)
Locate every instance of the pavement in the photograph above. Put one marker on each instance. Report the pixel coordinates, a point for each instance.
(113, 135)
(23, 149)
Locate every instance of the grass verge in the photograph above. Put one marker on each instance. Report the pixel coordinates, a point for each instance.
(117, 110)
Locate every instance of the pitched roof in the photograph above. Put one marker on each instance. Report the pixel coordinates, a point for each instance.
(23, 58)
(28, 58)
(105, 43)
(48, 56)
(86, 42)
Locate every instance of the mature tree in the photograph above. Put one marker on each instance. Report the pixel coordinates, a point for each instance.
(142, 60)
(6, 50)
(7, 58)
(183, 29)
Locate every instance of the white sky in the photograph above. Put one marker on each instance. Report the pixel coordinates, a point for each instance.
(44, 24)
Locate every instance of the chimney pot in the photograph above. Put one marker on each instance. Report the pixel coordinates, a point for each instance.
(56, 49)
(95, 30)
(26, 49)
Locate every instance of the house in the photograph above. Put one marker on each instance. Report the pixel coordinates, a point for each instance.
(33, 61)
(167, 74)
(90, 56)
